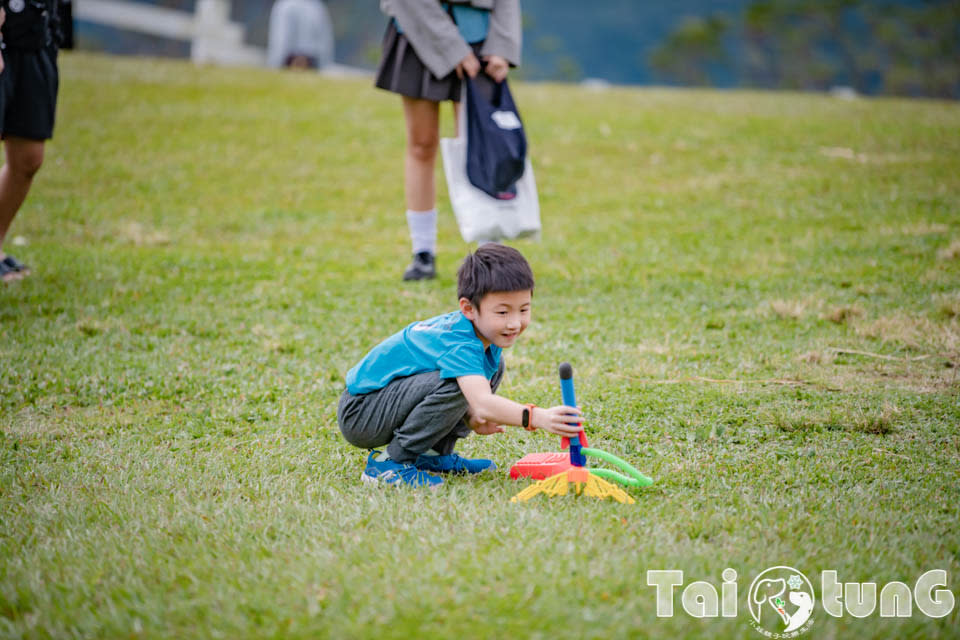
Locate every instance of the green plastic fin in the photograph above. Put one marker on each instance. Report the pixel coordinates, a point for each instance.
(635, 479)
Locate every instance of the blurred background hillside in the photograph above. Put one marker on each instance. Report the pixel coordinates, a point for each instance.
(893, 47)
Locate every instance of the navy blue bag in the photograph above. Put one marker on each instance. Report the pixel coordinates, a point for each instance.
(496, 143)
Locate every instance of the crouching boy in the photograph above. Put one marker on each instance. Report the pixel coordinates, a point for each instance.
(422, 389)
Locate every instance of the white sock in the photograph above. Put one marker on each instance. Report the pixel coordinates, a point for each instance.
(383, 457)
(423, 230)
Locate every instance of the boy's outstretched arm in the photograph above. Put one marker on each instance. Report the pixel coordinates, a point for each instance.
(485, 405)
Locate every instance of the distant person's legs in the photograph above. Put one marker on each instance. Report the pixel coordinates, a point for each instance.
(423, 137)
(23, 160)
(300, 61)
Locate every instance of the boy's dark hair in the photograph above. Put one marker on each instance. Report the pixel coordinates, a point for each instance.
(491, 268)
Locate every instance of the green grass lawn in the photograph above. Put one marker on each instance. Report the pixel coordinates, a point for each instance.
(759, 293)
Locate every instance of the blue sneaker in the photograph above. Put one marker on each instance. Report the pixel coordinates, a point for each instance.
(397, 473)
(452, 463)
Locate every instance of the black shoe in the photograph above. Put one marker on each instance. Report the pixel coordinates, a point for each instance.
(7, 274)
(12, 269)
(15, 265)
(422, 267)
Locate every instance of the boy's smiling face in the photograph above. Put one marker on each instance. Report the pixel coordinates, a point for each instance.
(501, 317)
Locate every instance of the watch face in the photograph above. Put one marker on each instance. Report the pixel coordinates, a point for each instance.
(16, 6)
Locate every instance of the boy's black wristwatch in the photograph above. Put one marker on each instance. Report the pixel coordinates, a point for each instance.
(527, 414)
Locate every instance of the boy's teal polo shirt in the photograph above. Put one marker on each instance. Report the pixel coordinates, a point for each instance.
(447, 344)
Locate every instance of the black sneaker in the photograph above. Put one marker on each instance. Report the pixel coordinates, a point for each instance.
(15, 265)
(422, 267)
(12, 269)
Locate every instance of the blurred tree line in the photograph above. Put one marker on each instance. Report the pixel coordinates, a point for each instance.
(561, 40)
(901, 48)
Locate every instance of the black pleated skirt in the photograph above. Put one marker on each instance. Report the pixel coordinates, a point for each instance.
(401, 71)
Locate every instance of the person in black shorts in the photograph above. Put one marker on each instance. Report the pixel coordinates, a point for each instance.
(28, 100)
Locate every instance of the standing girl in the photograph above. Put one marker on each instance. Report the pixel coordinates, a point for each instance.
(428, 47)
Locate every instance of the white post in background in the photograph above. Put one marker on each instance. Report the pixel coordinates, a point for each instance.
(216, 40)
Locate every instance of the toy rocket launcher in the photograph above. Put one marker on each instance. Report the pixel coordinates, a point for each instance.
(556, 472)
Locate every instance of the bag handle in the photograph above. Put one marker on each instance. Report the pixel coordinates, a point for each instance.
(468, 84)
(462, 116)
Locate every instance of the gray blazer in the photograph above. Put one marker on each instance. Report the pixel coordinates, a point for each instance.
(438, 42)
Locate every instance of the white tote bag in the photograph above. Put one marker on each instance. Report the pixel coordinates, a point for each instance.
(481, 217)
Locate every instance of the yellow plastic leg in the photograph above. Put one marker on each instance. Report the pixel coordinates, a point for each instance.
(583, 484)
(600, 488)
(552, 486)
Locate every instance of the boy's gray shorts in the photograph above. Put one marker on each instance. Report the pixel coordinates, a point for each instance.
(410, 415)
